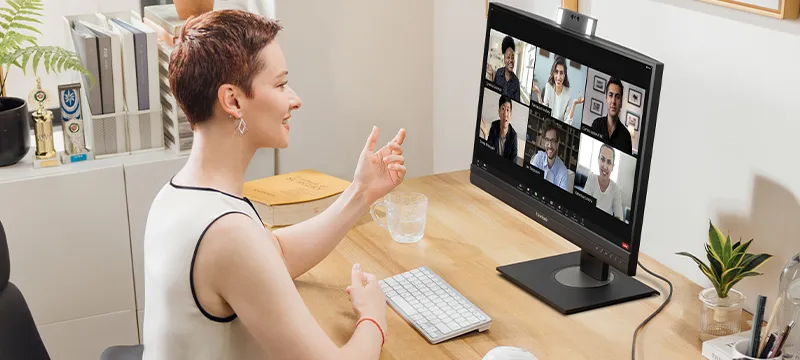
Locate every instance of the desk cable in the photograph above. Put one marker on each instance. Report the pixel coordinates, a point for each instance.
(669, 297)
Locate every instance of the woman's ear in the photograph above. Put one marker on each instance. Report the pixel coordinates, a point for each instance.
(228, 96)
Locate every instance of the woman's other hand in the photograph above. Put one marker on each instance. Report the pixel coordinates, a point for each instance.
(368, 299)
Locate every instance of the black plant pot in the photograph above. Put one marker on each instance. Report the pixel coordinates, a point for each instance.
(15, 133)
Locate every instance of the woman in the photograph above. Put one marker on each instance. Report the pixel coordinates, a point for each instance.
(556, 92)
(218, 285)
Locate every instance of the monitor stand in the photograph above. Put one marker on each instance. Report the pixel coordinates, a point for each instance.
(575, 282)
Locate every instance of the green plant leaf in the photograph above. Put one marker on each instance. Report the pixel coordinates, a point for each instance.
(703, 267)
(36, 58)
(714, 263)
(741, 276)
(716, 240)
(739, 253)
(26, 27)
(48, 58)
(13, 4)
(7, 10)
(28, 19)
(25, 59)
(754, 261)
(730, 275)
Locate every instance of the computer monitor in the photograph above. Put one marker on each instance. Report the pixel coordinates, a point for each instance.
(565, 130)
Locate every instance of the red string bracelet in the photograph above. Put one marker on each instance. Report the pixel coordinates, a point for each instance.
(367, 318)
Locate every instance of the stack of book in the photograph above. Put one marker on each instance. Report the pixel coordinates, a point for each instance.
(122, 112)
(291, 198)
(167, 25)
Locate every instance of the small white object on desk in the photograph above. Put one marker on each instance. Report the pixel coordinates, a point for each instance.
(508, 353)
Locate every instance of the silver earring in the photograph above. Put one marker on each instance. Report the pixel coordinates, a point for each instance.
(241, 127)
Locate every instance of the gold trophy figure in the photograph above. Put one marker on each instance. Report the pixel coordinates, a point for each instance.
(43, 123)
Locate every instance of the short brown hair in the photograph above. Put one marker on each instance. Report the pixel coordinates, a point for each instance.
(216, 48)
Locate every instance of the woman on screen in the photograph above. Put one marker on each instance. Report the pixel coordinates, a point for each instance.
(502, 135)
(556, 93)
(504, 76)
(218, 284)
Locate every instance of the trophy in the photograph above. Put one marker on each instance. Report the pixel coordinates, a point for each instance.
(72, 122)
(43, 123)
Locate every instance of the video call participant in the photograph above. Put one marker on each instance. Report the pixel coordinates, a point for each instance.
(504, 76)
(556, 93)
(609, 126)
(548, 161)
(602, 188)
(502, 135)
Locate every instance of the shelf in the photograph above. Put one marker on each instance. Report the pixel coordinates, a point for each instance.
(24, 168)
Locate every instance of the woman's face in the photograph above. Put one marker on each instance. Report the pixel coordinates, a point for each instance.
(508, 59)
(558, 75)
(267, 112)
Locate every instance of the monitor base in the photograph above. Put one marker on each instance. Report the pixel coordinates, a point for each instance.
(562, 283)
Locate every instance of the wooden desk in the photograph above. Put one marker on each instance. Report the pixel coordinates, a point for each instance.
(468, 234)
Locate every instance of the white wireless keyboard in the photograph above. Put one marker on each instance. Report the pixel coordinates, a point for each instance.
(437, 310)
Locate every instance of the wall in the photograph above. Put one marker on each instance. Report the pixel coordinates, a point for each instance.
(356, 64)
(53, 34)
(728, 99)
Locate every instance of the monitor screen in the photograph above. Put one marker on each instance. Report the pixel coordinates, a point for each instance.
(562, 119)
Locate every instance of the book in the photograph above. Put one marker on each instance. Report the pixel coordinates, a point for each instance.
(86, 47)
(721, 348)
(129, 81)
(140, 62)
(291, 198)
(106, 58)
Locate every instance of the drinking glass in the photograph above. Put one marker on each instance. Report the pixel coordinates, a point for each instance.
(405, 215)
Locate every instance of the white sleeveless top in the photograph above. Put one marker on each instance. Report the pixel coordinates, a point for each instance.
(176, 327)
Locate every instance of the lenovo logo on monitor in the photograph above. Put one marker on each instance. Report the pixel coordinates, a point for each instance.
(540, 216)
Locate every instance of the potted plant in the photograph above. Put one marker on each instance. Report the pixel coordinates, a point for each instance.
(728, 263)
(20, 49)
(188, 8)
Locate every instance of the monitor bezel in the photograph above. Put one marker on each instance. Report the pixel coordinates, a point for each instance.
(589, 241)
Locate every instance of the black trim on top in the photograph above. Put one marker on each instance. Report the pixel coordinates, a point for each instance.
(191, 270)
(245, 199)
(202, 189)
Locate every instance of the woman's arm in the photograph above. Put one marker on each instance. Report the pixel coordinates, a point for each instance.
(305, 244)
(240, 264)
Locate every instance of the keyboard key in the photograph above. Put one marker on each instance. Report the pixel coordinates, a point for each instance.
(391, 282)
(463, 323)
(472, 320)
(453, 326)
(443, 328)
(391, 293)
(403, 304)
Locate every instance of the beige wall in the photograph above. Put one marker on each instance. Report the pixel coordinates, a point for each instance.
(355, 64)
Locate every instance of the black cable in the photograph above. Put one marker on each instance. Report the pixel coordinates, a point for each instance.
(669, 297)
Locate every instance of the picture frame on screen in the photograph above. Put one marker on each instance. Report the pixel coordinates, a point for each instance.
(596, 107)
(599, 84)
(635, 97)
(632, 119)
